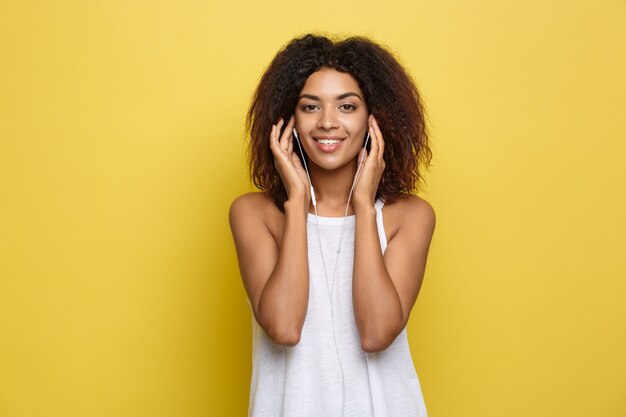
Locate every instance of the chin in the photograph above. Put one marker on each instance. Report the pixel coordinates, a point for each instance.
(332, 164)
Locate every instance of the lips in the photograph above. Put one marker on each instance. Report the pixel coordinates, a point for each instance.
(328, 143)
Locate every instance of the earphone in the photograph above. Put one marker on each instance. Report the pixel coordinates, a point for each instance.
(328, 287)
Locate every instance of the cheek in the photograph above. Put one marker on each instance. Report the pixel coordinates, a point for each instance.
(304, 121)
(357, 124)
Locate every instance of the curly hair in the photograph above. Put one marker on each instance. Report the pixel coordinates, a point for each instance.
(390, 94)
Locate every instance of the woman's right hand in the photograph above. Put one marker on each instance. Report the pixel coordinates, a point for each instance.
(287, 163)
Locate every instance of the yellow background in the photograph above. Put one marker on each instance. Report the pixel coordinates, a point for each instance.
(121, 148)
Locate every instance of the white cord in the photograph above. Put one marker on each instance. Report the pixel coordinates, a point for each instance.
(319, 241)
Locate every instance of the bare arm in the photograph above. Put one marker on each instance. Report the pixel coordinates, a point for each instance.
(276, 277)
(384, 289)
(276, 274)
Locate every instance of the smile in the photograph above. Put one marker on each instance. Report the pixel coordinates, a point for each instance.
(328, 143)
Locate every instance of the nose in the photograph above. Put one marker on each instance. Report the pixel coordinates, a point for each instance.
(327, 120)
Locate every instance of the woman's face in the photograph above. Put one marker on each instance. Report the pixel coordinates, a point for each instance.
(331, 118)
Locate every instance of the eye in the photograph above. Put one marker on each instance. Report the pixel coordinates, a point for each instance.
(309, 107)
(348, 107)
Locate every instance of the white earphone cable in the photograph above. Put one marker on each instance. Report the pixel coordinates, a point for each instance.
(319, 240)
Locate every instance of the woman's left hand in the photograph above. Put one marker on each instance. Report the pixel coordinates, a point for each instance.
(372, 169)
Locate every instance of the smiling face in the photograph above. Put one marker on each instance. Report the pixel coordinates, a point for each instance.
(331, 118)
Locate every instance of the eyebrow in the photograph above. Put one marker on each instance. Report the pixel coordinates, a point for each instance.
(339, 97)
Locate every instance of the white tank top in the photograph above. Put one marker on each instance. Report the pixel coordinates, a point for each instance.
(305, 380)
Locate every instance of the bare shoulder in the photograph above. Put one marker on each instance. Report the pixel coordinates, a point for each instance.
(255, 210)
(409, 213)
(415, 208)
(254, 205)
(247, 204)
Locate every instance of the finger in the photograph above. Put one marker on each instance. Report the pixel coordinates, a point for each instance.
(291, 139)
(379, 138)
(286, 134)
(295, 160)
(290, 144)
(279, 137)
(362, 158)
(273, 142)
(374, 140)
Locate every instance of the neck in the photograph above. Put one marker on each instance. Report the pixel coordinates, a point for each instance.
(332, 188)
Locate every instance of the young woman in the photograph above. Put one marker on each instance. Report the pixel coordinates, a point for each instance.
(332, 252)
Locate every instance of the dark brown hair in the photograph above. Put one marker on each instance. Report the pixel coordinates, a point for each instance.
(390, 95)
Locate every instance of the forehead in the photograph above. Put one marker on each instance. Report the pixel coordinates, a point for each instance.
(329, 83)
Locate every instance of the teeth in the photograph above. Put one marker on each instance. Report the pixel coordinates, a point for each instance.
(328, 141)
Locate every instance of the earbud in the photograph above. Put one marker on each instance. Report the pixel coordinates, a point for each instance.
(313, 200)
(367, 139)
(358, 170)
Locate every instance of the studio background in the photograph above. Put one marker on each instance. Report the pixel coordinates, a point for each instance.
(122, 146)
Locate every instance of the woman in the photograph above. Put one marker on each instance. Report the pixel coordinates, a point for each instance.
(332, 252)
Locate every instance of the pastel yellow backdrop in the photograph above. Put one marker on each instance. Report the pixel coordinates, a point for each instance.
(121, 127)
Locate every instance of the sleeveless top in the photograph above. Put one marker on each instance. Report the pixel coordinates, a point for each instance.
(327, 373)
